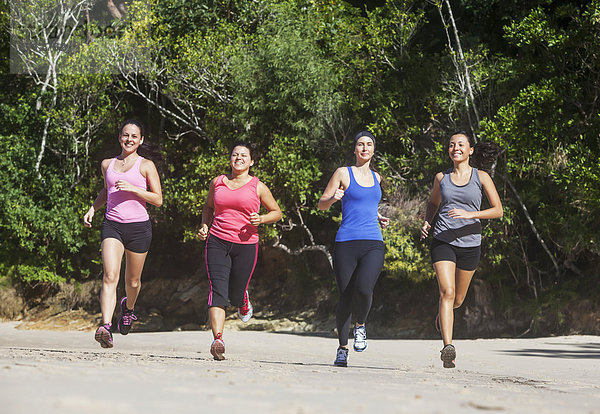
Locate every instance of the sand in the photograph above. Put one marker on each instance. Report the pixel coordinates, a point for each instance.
(173, 372)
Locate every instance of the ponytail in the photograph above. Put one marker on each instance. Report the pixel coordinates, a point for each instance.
(484, 155)
(150, 152)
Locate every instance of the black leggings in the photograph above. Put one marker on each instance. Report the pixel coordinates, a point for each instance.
(229, 266)
(357, 264)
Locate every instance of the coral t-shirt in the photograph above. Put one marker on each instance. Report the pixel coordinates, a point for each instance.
(231, 220)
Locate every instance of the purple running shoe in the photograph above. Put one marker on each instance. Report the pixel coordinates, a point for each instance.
(127, 317)
(104, 336)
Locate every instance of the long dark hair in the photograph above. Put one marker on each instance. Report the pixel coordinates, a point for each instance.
(146, 150)
(484, 154)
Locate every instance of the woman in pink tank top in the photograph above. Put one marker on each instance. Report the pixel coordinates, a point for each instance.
(231, 212)
(130, 181)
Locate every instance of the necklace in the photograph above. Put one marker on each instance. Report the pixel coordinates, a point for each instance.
(124, 161)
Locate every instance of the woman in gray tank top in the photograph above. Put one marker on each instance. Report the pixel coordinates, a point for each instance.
(456, 245)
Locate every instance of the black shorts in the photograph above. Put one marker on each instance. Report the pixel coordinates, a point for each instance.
(136, 237)
(466, 258)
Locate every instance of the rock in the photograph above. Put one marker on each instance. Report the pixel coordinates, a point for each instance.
(12, 305)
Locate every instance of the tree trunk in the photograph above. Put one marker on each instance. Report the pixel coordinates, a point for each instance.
(113, 10)
(532, 224)
(470, 98)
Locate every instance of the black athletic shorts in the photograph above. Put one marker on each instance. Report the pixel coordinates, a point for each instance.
(136, 237)
(466, 258)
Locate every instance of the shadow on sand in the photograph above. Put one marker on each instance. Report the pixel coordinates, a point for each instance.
(584, 351)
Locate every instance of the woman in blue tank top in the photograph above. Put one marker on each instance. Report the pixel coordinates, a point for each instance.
(359, 252)
(456, 245)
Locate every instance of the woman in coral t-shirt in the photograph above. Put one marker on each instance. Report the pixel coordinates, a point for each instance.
(231, 250)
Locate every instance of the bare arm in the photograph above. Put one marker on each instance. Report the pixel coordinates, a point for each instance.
(383, 221)
(495, 210)
(432, 205)
(100, 199)
(334, 191)
(208, 211)
(268, 201)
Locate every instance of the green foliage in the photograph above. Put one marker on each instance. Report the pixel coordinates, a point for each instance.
(185, 190)
(34, 274)
(404, 259)
(283, 82)
(292, 168)
(298, 78)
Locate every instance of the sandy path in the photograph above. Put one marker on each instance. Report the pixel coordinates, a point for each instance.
(171, 372)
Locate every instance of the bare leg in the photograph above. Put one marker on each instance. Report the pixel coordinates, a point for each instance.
(445, 271)
(112, 254)
(463, 280)
(217, 319)
(133, 274)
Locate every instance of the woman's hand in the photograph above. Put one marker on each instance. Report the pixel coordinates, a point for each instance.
(425, 230)
(87, 219)
(459, 213)
(383, 221)
(123, 185)
(203, 232)
(339, 193)
(255, 219)
(335, 188)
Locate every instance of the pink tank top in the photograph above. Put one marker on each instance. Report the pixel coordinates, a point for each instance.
(123, 206)
(232, 212)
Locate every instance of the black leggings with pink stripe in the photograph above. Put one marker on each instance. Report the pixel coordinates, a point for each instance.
(229, 266)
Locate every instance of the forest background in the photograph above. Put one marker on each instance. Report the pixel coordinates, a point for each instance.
(299, 78)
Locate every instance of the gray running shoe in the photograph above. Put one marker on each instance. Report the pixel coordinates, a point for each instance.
(104, 336)
(448, 355)
(360, 338)
(341, 359)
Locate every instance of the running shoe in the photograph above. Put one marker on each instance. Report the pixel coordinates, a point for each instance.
(104, 336)
(245, 312)
(360, 338)
(217, 348)
(341, 359)
(127, 317)
(448, 355)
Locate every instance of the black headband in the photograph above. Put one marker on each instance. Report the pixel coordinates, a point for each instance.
(364, 134)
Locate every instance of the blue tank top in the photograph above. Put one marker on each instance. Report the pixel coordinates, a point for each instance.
(459, 232)
(359, 211)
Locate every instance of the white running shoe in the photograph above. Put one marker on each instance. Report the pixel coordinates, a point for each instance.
(217, 348)
(360, 338)
(245, 312)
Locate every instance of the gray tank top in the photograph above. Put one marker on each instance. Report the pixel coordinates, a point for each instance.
(459, 232)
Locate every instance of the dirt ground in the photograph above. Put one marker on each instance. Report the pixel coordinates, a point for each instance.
(67, 372)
